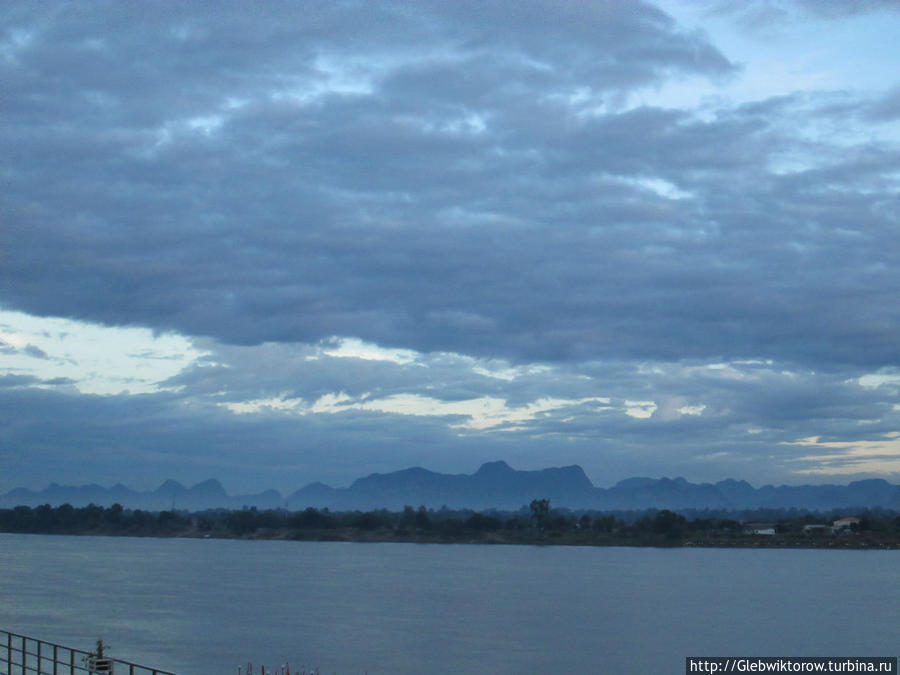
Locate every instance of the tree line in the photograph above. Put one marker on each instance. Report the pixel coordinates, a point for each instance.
(537, 522)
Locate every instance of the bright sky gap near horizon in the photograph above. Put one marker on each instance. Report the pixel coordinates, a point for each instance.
(311, 241)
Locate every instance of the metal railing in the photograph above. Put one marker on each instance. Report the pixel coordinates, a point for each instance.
(21, 655)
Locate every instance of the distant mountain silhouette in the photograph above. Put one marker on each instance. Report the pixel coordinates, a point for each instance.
(170, 495)
(171, 489)
(494, 485)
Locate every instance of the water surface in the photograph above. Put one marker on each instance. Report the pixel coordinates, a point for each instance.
(201, 607)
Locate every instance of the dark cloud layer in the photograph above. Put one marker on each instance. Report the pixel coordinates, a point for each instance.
(466, 199)
(456, 203)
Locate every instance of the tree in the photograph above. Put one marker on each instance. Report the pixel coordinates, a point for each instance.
(311, 519)
(480, 522)
(540, 511)
(114, 514)
(408, 517)
(605, 523)
(669, 523)
(423, 522)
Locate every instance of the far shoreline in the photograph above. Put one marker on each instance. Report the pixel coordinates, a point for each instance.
(538, 525)
(779, 543)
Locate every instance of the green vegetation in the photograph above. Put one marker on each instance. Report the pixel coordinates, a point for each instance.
(536, 524)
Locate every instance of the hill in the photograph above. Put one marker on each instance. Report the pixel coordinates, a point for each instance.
(493, 485)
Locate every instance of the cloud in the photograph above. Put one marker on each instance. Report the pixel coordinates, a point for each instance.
(35, 352)
(17, 380)
(354, 348)
(384, 233)
(555, 262)
(15, 343)
(881, 456)
(478, 414)
(283, 414)
(887, 109)
(91, 357)
(299, 234)
(775, 13)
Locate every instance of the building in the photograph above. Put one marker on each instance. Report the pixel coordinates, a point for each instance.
(817, 529)
(845, 523)
(759, 528)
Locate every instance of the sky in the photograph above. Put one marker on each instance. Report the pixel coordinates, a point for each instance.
(284, 242)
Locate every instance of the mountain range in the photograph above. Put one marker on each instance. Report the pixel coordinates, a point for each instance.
(494, 485)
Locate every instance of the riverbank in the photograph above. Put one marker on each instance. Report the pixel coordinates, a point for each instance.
(842, 541)
(870, 530)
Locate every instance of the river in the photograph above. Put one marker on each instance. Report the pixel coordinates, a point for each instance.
(203, 607)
